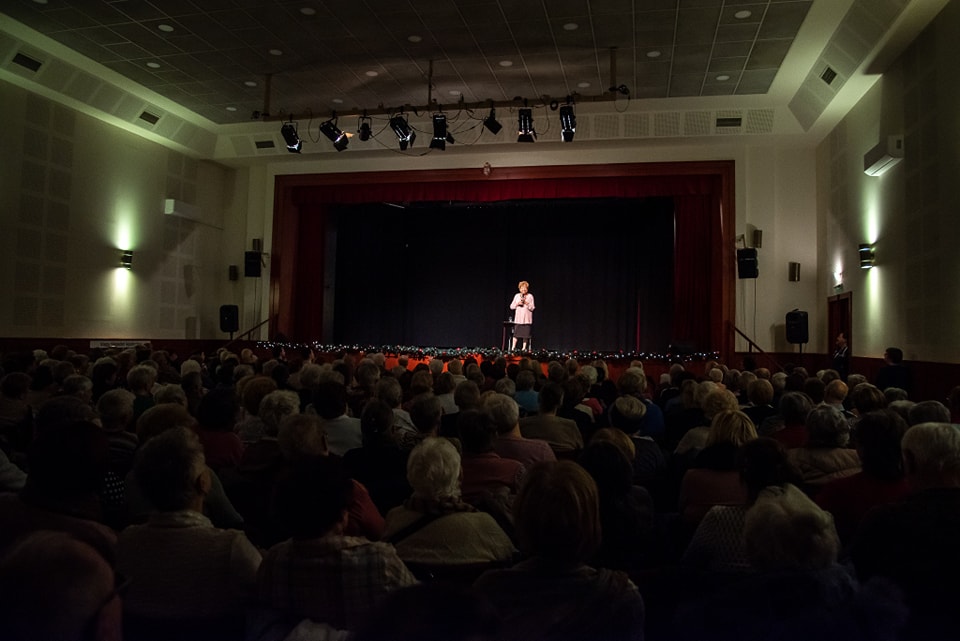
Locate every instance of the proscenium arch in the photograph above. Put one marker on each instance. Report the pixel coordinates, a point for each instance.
(705, 240)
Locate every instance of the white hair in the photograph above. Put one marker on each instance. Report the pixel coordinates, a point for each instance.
(433, 469)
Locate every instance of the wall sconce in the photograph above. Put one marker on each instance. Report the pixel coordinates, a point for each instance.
(793, 272)
(867, 256)
(126, 259)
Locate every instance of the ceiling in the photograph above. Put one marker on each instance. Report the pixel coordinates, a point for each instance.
(213, 56)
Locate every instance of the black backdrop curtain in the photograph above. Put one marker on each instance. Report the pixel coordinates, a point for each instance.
(443, 274)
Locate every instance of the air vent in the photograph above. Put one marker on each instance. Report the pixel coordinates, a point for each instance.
(828, 75)
(27, 62)
(149, 117)
(729, 122)
(264, 144)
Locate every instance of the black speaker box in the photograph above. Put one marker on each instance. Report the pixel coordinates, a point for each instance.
(251, 264)
(797, 332)
(747, 263)
(229, 318)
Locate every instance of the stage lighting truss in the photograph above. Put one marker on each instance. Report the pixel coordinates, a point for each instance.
(440, 134)
(405, 134)
(289, 132)
(330, 129)
(568, 123)
(525, 130)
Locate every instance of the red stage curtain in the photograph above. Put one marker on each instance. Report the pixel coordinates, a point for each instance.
(698, 234)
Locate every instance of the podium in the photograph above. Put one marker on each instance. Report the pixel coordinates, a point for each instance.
(508, 326)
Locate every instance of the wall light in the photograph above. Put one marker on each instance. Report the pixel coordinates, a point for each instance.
(291, 137)
(568, 123)
(337, 137)
(867, 256)
(405, 135)
(126, 259)
(525, 130)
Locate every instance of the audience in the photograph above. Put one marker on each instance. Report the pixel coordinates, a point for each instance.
(825, 457)
(562, 434)
(504, 414)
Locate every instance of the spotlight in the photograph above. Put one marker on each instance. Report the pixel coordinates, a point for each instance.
(490, 122)
(440, 134)
(405, 135)
(364, 128)
(126, 259)
(292, 138)
(526, 133)
(867, 257)
(330, 130)
(568, 123)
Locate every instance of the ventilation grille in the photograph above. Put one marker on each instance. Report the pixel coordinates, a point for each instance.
(27, 62)
(729, 122)
(264, 144)
(828, 75)
(148, 117)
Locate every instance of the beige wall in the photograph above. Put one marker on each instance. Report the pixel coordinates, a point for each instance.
(909, 299)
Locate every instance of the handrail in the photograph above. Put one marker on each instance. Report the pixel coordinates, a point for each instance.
(247, 333)
(757, 347)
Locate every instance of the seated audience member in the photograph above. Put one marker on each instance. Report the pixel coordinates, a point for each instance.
(68, 463)
(170, 393)
(16, 416)
(714, 478)
(455, 367)
(189, 579)
(432, 612)
(834, 394)
(485, 473)
(426, 414)
(435, 527)
(647, 459)
(798, 591)
(216, 418)
(825, 457)
(444, 388)
(104, 375)
(467, 397)
(302, 440)
(633, 382)
(343, 431)
(54, 586)
(250, 429)
(573, 408)
(115, 408)
(712, 400)
(913, 542)
(880, 480)
(390, 392)
(504, 413)
(927, 412)
(561, 434)
(216, 506)
(866, 398)
(553, 594)
(321, 573)
(140, 381)
(895, 394)
(626, 510)
(380, 464)
(717, 549)
(789, 425)
(760, 397)
(526, 396)
(193, 389)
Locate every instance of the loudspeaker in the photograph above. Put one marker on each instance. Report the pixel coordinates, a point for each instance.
(797, 332)
(747, 263)
(251, 264)
(229, 318)
(233, 272)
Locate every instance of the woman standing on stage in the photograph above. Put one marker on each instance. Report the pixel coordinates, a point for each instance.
(523, 318)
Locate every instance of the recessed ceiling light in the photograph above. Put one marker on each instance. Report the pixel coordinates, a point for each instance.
(276, 52)
(308, 11)
(653, 54)
(153, 65)
(743, 14)
(723, 77)
(339, 101)
(506, 63)
(250, 83)
(165, 28)
(571, 26)
(372, 73)
(414, 38)
(231, 108)
(583, 85)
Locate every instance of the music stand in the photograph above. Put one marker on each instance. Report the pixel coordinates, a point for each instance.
(503, 342)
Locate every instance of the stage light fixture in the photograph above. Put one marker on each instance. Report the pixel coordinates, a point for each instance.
(364, 128)
(126, 259)
(337, 137)
(440, 134)
(291, 137)
(405, 135)
(525, 130)
(568, 123)
(491, 123)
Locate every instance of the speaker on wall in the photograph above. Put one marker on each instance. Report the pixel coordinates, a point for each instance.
(747, 263)
(797, 332)
(233, 272)
(229, 318)
(251, 264)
